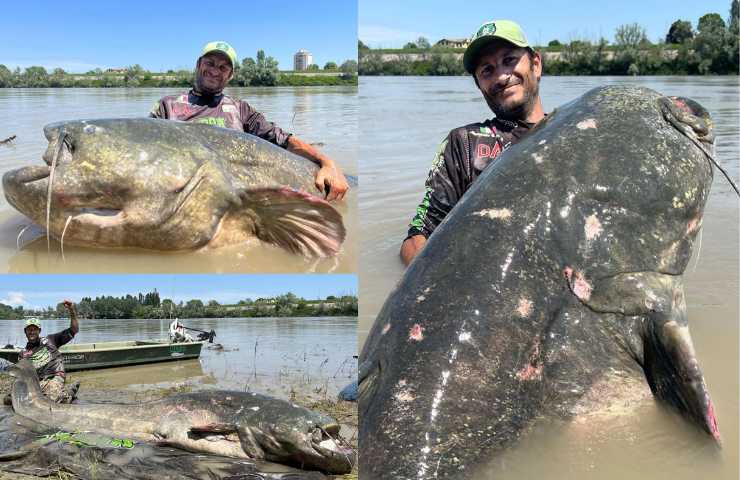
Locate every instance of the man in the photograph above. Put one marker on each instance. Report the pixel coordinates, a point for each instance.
(507, 71)
(46, 358)
(206, 103)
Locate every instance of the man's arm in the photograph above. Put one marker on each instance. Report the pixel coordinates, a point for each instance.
(74, 324)
(443, 190)
(329, 175)
(411, 247)
(329, 179)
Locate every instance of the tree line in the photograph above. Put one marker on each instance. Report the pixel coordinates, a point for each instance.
(150, 305)
(713, 48)
(259, 71)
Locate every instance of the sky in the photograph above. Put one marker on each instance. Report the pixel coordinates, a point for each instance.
(79, 36)
(41, 291)
(392, 23)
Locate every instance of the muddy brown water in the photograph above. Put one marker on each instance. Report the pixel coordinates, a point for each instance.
(402, 121)
(326, 116)
(312, 356)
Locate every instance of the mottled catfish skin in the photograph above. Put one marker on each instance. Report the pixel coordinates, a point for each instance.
(557, 273)
(166, 185)
(235, 424)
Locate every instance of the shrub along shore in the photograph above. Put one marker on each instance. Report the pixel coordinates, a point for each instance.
(713, 49)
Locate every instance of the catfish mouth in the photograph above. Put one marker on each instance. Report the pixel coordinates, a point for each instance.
(29, 185)
(333, 455)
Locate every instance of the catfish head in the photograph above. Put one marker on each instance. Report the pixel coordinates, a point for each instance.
(647, 291)
(312, 442)
(168, 185)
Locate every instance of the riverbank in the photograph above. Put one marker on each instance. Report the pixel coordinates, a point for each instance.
(302, 393)
(40, 78)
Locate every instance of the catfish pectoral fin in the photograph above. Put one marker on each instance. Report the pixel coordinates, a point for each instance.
(296, 221)
(667, 352)
(250, 444)
(673, 372)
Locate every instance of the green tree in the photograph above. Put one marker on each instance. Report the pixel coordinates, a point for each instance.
(349, 66)
(410, 46)
(35, 77)
(6, 77)
(267, 70)
(422, 43)
(330, 66)
(711, 45)
(361, 46)
(679, 32)
(313, 68)
(554, 43)
(630, 36)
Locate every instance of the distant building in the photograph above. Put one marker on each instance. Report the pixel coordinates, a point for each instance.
(453, 43)
(301, 60)
(117, 70)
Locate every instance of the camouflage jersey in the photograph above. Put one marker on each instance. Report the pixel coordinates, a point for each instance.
(460, 159)
(45, 355)
(219, 110)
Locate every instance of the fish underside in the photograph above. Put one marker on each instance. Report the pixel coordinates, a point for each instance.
(558, 271)
(168, 185)
(234, 424)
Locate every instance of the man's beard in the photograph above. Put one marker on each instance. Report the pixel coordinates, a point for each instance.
(520, 110)
(202, 89)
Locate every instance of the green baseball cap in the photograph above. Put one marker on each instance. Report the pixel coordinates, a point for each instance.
(33, 321)
(222, 47)
(489, 32)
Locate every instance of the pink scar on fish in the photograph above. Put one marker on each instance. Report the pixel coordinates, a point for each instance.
(694, 225)
(531, 371)
(386, 327)
(578, 285)
(590, 123)
(524, 308)
(416, 333)
(592, 228)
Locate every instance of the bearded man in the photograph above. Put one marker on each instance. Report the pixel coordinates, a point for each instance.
(206, 103)
(507, 71)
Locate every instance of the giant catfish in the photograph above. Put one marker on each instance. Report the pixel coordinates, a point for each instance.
(554, 282)
(168, 185)
(234, 424)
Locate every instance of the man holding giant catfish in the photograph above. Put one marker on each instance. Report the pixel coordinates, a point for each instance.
(507, 71)
(206, 103)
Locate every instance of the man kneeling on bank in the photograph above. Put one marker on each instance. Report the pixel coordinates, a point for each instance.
(46, 358)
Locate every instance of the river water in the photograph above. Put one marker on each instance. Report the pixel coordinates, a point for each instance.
(325, 116)
(311, 356)
(403, 119)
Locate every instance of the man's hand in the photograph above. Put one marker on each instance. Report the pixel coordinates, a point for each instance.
(74, 324)
(411, 247)
(331, 182)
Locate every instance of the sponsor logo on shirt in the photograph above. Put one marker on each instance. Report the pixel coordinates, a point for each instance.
(488, 151)
(219, 122)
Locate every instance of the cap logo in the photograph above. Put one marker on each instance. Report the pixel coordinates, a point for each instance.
(222, 46)
(487, 29)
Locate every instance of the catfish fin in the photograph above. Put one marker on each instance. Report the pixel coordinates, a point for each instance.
(249, 444)
(296, 221)
(667, 353)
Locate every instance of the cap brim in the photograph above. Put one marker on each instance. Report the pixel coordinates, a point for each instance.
(475, 47)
